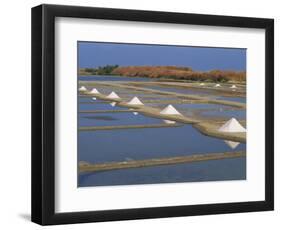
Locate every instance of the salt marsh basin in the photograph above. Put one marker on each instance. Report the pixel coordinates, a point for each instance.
(159, 113)
(112, 133)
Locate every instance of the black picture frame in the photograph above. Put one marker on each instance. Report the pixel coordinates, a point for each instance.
(43, 114)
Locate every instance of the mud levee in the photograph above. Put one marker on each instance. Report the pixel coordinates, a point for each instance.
(96, 128)
(178, 95)
(88, 167)
(208, 128)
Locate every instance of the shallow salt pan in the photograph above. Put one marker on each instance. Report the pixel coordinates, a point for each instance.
(147, 143)
(227, 169)
(115, 119)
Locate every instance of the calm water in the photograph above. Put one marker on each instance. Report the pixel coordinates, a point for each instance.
(112, 78)
(180, 90)
(202, 106)
(99, 106)
(198, 92)
(236, 99)
(137, 144)
(217, 170)
(238, 114)
(112, 119)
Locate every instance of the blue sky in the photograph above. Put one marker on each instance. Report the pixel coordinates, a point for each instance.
(94, 54)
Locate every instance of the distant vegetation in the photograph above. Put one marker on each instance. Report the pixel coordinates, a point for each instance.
(101, 70)
(168, 72)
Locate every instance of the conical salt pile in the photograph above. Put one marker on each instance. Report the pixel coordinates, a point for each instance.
(82, 89)
(233, 87)
(202, 83)
(95, 91)
(135, 113)
(232, 126)
(94, 98)
(170, 110)
(135, 101)
(169, 122)
(232, 144)
(217, 85)
(112, 95)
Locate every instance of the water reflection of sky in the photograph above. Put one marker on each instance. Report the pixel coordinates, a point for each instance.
(115, 119)
(100, 106)
(117, 145)
(216, 170)
(180, 90)
(236, 99)
(136, 144)
(238, 114)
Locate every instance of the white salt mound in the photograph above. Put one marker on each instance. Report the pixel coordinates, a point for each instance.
(113, 104)
(233, 87)
(113, 95)
(135, 101)
(82, 89)
(232, 126)
(232, 144)
(95, 91)
(170, 110)
(202, 83)
(217, 85)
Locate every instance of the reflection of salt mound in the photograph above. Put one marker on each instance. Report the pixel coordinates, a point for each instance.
(217, 85)
(232, 144)
(202, 83)
(232, 126)
(94, 98)
(170, 110)
(169, 122)
(112, 95)
(135, 101)
(113, 104)
(82, 89)
(95, 91)
(233, 87)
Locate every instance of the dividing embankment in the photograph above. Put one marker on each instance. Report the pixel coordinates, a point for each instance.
(88, 167)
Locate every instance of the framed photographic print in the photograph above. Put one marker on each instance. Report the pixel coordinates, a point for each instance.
(142, 114)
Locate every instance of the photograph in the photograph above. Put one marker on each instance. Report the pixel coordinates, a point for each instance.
(154, 113)
(176, 108)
